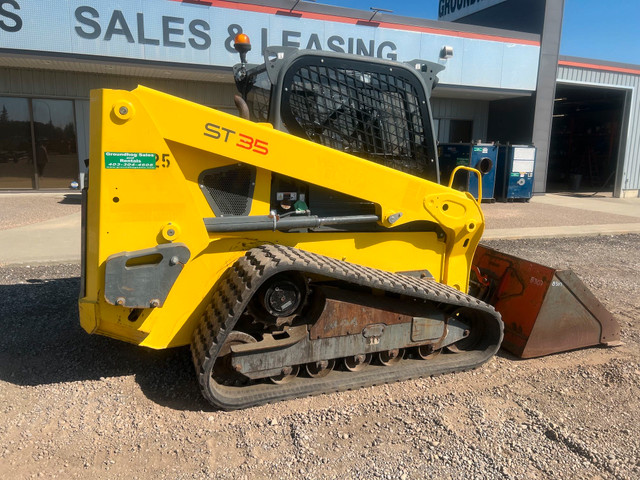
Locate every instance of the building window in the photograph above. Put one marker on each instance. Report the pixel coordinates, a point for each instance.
(16, 149)
(460, 131)
(38, 146)
(55, 139)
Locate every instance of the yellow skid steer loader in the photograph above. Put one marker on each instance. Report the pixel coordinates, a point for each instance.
(305, 248)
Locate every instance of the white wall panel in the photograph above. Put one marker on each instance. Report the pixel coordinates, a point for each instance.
(199, 34)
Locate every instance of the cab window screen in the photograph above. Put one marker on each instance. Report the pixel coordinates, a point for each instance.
(375, 113)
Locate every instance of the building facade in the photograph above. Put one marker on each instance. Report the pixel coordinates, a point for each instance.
(499, 85)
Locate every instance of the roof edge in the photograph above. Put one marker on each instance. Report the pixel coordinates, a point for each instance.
(385, 20)
(596, 64)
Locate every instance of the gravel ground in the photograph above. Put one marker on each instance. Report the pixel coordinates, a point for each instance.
(18, 210)
(80, 406)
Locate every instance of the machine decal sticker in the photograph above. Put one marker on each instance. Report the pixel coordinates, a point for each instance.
(218, 132)
(166, 162)
(130, 160)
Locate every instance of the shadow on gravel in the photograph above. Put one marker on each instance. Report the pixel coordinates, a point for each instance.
(71, 199)
(509, 356)
(585, 194)
(41, 343)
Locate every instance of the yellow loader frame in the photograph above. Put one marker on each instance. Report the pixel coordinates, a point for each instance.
(155, 199)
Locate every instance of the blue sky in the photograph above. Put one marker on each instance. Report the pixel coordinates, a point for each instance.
(601, 29)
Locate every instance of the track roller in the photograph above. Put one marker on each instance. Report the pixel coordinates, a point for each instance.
(320, 369)
(391, 357)
(356, 363)
(287, 375)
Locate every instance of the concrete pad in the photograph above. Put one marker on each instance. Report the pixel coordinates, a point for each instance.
(543, 215)
(52, 241)
(616, 206)
(559, 232)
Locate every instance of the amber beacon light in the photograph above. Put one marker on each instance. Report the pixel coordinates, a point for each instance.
(242, 44)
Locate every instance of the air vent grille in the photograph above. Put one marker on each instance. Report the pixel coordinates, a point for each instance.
(229, 190)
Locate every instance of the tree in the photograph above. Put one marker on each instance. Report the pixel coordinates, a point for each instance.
(4, 115)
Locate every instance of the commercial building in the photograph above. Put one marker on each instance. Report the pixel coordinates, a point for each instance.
(505, 81)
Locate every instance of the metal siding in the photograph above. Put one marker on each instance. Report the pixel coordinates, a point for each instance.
(632, 160)
(445, 129)
(62, 84)
(15, 82)
(589, 77)
(481, 124)
(447, 109)
(43, 83)
(39, 81)
(26, 81)
(82, 83)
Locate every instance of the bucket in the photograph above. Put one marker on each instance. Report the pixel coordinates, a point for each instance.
(544, 310)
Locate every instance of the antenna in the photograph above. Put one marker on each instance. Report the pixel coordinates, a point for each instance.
(375, 11)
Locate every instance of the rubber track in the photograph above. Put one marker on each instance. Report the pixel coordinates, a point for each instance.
(237, 285)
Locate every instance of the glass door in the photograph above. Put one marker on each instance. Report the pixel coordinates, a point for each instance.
(55, 142)
(16, 150)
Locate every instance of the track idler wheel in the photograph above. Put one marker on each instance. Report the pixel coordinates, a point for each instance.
(223, 371)
(474, 334)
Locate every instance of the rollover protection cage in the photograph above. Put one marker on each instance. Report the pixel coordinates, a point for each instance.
(378, 110)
